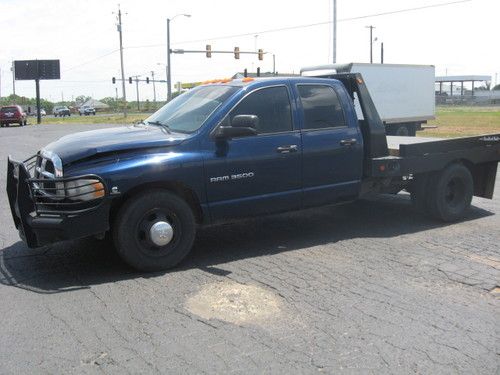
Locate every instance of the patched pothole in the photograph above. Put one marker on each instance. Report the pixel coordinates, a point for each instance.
(235, 303)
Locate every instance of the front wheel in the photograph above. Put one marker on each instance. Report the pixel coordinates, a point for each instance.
(154, 230)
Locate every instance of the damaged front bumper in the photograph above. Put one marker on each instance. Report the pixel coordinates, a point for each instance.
(45, 213)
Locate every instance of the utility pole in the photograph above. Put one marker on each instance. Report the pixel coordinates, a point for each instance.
(13, 69)
(119, 28)
(169, 84)
(0, 83)
(371, 42)
(381, 52)
(274, 64)
(334, 51)
(154, 87)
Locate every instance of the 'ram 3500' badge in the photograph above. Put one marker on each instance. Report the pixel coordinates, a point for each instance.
(237, 176)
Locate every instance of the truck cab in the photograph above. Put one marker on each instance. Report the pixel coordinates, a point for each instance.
(225, 150)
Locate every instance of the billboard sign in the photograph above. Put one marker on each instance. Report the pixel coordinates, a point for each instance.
(37, 69)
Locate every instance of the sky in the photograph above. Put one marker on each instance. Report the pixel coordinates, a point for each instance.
(459, 38)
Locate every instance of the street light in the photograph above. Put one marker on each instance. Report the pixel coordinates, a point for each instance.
(169, 51)
(166, 69)
(371, 27)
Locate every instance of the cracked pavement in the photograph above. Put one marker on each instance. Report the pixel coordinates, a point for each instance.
(369, 287)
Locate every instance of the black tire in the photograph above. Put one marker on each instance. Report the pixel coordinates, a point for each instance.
(402, 131)
(450, 193)
(131, 234)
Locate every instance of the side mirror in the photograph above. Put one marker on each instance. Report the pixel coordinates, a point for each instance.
(245, 121)
(241, 126)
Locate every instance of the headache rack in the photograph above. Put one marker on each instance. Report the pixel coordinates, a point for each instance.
(57, 195)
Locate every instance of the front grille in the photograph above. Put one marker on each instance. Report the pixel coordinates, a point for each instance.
(44, 167)
(51, 194)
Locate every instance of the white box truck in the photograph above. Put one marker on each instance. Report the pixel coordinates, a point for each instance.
(403, 95)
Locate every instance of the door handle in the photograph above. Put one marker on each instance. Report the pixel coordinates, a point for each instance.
(348, 142)
(287, 149)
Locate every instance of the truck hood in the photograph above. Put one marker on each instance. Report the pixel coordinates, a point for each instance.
(82, 145)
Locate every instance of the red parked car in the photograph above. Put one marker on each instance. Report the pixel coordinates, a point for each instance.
(13, 114)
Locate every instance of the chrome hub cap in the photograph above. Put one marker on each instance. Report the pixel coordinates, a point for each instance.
(161, 233)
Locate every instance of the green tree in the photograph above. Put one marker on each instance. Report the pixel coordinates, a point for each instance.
(112, 102)
(80, 99)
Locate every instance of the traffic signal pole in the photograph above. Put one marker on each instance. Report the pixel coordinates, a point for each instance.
(260, 53)
(137, 91)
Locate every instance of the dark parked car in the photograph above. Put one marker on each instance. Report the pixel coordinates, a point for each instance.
(61, 111)
(13, 114)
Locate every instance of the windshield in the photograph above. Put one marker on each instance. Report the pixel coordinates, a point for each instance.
(187, 112)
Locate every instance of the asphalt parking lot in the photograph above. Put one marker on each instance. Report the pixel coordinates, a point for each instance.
(366, 287)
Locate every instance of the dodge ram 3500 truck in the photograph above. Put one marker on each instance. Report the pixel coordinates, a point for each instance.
(236, 149)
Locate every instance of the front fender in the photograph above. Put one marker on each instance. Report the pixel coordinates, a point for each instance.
(123, 173)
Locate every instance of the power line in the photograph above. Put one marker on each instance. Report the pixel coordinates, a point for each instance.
(273, 30)
(307, 25)
(91, 61)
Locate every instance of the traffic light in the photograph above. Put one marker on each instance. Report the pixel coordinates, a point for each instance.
(237, 53)
(147, 79)
(261, 54)
(113, 80)
(129, 79)
(209, 50)
(258, 71)
(245, 73)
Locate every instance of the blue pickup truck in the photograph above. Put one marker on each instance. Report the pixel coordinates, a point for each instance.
(235, 149)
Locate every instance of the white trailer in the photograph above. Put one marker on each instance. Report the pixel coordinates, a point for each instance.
(403, 94)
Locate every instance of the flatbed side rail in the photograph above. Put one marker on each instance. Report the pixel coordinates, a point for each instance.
(433, 156)
(449, 145)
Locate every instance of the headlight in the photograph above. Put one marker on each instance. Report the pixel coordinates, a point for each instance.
(84, 189)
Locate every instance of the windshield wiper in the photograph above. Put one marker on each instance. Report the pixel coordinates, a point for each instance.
(158, 123)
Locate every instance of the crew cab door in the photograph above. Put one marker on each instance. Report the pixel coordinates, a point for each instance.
(332, 149)
(256, 174)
